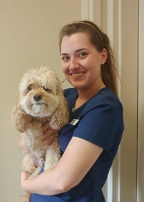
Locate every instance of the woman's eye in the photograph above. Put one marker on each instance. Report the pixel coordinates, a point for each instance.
(65, 58)
(82, 55)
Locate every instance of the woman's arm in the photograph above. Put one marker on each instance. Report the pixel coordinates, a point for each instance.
(76, 161)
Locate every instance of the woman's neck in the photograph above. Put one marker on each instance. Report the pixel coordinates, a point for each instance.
(85, 94)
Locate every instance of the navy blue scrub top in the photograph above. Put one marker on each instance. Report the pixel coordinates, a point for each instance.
(99, 121)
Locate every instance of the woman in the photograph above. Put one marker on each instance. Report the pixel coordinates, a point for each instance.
(90, 141)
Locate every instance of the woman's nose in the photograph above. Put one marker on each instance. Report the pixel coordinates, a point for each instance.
(74, 63)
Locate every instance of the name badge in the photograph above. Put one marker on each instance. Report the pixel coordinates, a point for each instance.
(74, 122)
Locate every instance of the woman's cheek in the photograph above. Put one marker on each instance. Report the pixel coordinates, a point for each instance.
(65, 68)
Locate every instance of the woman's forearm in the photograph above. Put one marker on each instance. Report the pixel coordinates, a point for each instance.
(69, 171)
(46, 183)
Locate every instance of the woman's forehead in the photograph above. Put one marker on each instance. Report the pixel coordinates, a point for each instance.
(75, 41)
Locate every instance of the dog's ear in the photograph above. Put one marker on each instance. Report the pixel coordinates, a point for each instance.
(61, 115)
(19, 117)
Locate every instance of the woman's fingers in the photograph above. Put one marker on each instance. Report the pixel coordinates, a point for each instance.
(22, 145)
(48, 140)
(48, 134)
(47, 130)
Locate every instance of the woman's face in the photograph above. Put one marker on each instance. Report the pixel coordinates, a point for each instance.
(81, 62)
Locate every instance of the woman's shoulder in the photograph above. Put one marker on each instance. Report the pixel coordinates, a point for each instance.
(104, 99)
(69, 91)
(70, 94)
(105, 96)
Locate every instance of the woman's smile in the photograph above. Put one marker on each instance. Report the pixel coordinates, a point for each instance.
(77, 75)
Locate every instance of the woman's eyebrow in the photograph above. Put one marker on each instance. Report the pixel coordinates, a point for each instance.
(64, 54)
(78, 50)
(81, 49)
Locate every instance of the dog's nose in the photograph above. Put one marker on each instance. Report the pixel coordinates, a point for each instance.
(37, 97)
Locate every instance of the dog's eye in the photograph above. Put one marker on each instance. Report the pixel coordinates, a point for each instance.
(46, 89)
(29, 88)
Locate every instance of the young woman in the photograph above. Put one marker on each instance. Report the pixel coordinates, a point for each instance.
(90, 141)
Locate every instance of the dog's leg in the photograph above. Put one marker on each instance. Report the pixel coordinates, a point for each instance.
(28, 164)
(26, 197)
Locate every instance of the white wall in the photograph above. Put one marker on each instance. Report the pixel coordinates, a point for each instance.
(28, 38)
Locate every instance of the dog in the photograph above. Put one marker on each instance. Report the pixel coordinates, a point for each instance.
(40, 100)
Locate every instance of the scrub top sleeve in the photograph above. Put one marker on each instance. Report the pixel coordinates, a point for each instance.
(102, 126)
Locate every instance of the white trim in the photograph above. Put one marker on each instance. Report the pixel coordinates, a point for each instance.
(110, 20)
(84, 9)
(119, 92)
(110, 35)
(87, 10)
(119, 45)
(91, 10)
(119, 176)
(110, 186)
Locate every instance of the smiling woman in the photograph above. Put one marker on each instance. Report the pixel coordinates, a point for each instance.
(90, 140)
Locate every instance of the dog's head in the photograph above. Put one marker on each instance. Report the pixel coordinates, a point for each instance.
(39, 92)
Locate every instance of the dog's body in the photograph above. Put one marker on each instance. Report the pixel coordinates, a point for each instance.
(40, 100)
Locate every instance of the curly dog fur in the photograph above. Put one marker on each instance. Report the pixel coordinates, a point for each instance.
(40, 99)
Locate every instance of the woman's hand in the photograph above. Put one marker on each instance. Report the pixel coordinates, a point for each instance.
(48, 135)
(22, 145)
(25, 181)
(48, 138)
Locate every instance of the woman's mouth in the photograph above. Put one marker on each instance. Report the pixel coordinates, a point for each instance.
(77, 75)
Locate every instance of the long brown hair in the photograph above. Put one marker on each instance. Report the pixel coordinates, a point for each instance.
(100, 41)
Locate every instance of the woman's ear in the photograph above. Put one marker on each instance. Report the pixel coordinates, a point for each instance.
(104, 56)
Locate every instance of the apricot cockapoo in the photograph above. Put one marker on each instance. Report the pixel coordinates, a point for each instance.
(40, 100)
